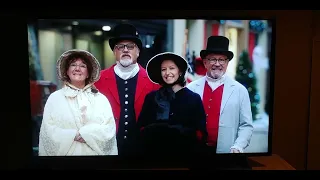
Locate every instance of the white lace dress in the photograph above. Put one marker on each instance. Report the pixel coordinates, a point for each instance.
(71, 110)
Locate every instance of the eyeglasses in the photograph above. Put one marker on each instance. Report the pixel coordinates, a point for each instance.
(121, 47)
(74, 65)
(214, 61)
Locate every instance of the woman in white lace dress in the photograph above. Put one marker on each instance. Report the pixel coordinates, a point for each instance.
(77, 119)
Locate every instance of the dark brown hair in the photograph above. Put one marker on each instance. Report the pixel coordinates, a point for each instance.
(74, 57)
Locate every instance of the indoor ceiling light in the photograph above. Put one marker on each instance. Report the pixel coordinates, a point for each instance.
(98, 33)
(106, 28)
(75, 23)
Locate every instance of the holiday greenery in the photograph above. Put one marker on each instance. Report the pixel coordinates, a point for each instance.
(246, 76)
(34, 62)
(257, 26)
(32, 73)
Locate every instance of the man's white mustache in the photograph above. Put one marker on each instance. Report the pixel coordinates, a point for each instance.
(125, 55)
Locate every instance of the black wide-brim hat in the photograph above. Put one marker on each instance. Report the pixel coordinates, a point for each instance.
(217, 45)
(125, 32)
(153, 66)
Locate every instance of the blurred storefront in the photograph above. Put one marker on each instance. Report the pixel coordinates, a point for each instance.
(56, 36)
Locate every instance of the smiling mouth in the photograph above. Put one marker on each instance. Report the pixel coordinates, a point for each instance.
(126, 56)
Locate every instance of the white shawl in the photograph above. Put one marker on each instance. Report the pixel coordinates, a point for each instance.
(71, 110)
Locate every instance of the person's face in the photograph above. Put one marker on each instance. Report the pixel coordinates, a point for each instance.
(126, 52)
(169, 71)
(77, 72)
(216, 65)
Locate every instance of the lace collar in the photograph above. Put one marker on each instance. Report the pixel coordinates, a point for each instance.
(70, 90)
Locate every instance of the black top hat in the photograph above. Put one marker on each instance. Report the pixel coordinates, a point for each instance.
(217, 45)
(153, 66)
(125, 32)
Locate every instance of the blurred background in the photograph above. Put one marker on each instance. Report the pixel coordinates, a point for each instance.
(250, 41)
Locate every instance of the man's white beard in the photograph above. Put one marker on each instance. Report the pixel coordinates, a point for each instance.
(126, 62)
(216, 75)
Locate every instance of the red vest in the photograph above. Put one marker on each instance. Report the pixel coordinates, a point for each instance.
(212, 103)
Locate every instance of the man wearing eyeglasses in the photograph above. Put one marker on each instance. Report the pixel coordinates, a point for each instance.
(126, 84)
(226, 101)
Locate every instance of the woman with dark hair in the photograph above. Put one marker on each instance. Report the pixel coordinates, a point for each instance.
(77, 119)
(172, 120)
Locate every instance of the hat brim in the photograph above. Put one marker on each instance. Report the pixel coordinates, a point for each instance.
(204, 53)
(114, 41)
(153, 66)
(62, 62)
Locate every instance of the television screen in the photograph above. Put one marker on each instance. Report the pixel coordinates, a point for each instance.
(230, 68)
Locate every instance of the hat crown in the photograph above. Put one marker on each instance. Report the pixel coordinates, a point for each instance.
(125, 30)
(218, 42)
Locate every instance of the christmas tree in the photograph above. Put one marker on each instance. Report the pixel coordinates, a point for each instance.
(246, 76)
